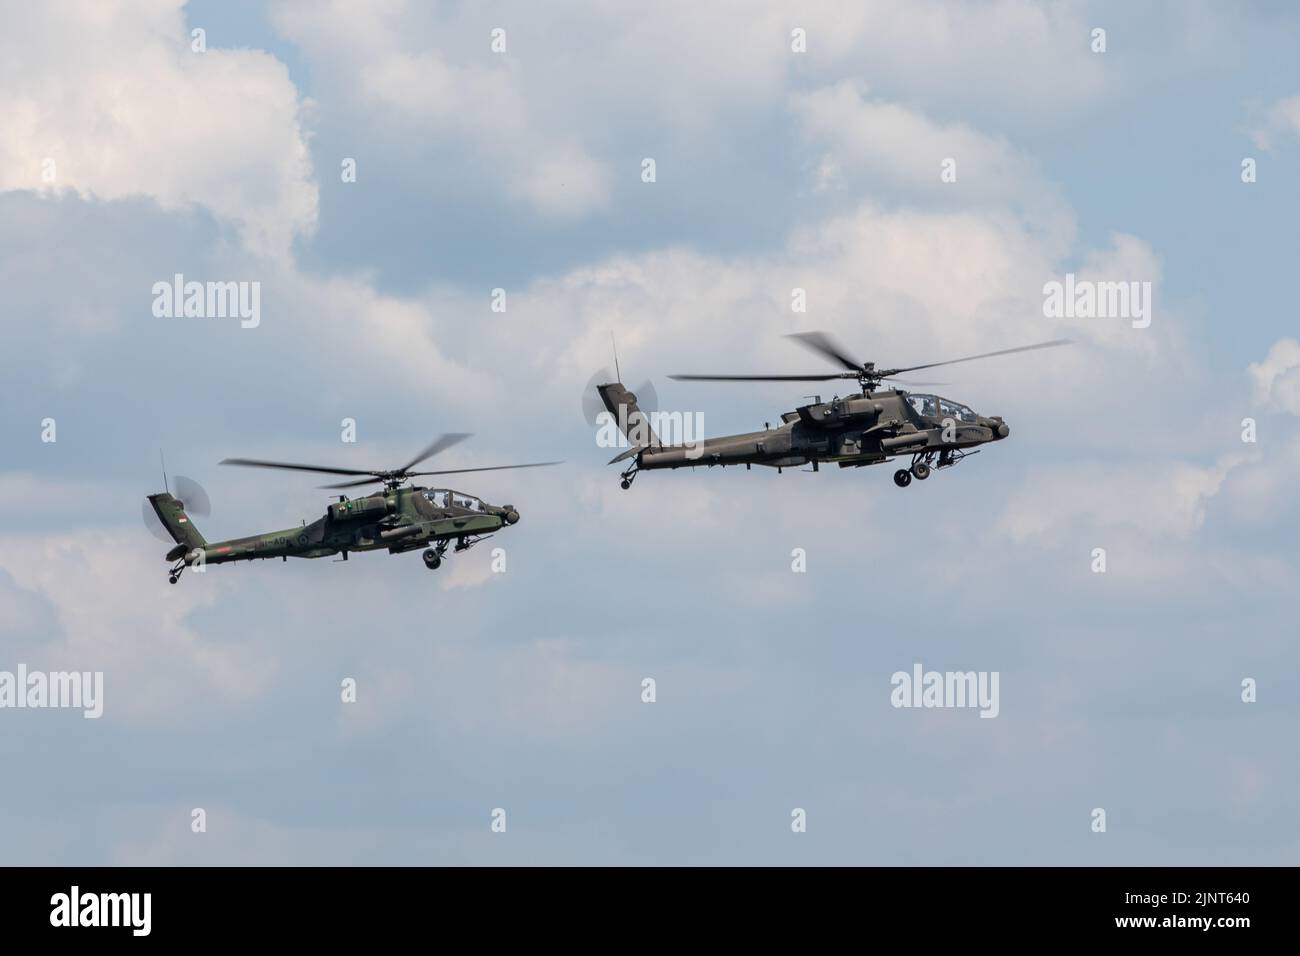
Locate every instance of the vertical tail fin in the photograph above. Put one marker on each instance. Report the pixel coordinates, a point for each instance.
(171, 512)
(631, 420)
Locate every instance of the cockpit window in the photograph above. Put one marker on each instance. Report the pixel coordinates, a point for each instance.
(924, 405)
(436, 498)
(953, 410)
(467, 502)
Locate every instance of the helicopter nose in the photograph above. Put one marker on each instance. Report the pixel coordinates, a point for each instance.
(511, 515)
(1003, 429)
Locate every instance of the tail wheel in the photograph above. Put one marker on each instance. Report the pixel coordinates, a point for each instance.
(902, 477)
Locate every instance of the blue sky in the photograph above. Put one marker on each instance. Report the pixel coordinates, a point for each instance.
(775, 170)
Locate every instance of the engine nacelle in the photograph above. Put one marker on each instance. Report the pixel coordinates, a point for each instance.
(841, 411)
(360, 508)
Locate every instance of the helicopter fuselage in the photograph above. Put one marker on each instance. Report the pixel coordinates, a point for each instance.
(875, 425)
(397, 519)
(862, 429)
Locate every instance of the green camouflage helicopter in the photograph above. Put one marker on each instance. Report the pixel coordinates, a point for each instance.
(398, 518)
(874, 426)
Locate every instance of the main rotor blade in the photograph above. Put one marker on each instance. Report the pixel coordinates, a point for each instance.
(370, 480)
(823, 344)
(908, 381)
(453, 471)
(971, 358)
(290, 466)
(440, 444)
(761, 378)
(462, 471)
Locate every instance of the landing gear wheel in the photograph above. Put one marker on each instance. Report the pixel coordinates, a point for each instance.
(171, 578)
(920, 471)
(902, 478)
(625, 484)
(432, 560)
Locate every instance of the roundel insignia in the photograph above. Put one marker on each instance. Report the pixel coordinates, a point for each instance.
(302, 538)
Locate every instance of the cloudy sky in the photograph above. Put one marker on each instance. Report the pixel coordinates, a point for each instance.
(128, 156)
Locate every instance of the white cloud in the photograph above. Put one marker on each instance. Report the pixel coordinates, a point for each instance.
(887, 145)
(577, 82)
(564, 183)
(468, 570)
(1166, 500)
(1263, 494)
(134, 112)
(398, 338)
(1276, 379)
(1028, 57)
(153, 659)
(900, 286)
(19, 488)
(1129, 259)
(1280, 119)
(485, 104)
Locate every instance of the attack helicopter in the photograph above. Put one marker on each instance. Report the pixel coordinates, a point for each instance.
(874, 426)
(398, 518)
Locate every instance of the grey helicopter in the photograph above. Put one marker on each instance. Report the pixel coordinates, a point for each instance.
(876, 425)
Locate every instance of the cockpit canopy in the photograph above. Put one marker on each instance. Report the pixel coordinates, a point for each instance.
(446, 498)
(932, 406)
